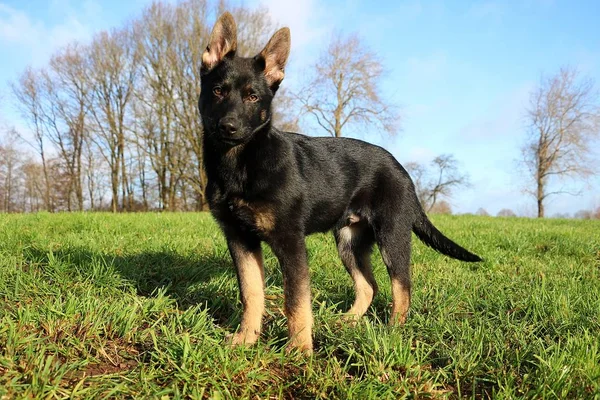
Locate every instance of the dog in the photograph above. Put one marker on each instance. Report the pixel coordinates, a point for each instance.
(278, 187)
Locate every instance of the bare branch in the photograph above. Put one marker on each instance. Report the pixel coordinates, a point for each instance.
(439, 181)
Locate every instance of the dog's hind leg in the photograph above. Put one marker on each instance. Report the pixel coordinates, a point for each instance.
(394, 244)
(354, 243)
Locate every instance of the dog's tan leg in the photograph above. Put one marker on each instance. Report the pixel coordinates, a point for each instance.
(250, 274)
(291, 252)
(400, 301)
(300, 319)
(354, 248)
(365, 287)
(395, 251)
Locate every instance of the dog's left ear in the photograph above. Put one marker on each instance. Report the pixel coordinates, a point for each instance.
(274, 56)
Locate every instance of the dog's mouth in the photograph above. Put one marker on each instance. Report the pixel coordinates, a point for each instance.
(232, 141)
(245, 137)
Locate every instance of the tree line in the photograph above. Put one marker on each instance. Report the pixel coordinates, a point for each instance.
(113, 123)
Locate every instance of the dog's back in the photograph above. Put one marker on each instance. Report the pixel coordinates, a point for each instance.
(343, 176)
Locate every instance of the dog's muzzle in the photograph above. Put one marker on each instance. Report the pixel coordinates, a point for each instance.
(228, 126)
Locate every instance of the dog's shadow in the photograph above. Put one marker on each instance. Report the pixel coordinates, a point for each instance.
(206, 279)
(200, 278)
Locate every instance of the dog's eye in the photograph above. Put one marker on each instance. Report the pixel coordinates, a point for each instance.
(218, 91)
(252, 98)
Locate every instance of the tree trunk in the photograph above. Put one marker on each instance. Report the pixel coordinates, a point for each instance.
(540, 198)
(47, 200)
(121, 161)
(78, 178)
(115, 184)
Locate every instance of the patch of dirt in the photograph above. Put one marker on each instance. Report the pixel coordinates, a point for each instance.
(114, 356)
(105, 368)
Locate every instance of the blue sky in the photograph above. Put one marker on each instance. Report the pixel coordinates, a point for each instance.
(460, 70)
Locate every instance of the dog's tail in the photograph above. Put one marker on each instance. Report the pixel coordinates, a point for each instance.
(435, 239)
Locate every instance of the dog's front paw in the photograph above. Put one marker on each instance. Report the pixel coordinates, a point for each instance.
(242, 338)
(301, 342)
(305, 349)
(397, 319)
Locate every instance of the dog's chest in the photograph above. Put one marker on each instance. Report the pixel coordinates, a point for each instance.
(257, 215)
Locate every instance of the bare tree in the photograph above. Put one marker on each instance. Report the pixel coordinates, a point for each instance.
(32, 198)
(583, 214)
(9, 167)
(441, 207)
(66, 108)
(419, 175)
(113, 58)
(482, 212)
(564, 120)
(439, 180)
(53, 102)
(159, 128)
(344, 92)
(506, 212)
(28, 95)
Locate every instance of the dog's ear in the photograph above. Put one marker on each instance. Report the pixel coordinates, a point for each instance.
(274, 57)
(223, 40)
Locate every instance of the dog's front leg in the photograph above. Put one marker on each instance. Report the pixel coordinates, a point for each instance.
(247, 257)
(291, 252)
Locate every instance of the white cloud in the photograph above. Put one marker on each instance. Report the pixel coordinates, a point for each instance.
(36, 39)
(15, 26)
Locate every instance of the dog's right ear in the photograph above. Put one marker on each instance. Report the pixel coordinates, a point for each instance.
(223, 40)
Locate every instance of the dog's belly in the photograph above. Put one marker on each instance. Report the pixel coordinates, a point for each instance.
(324, 216)
(332, 211)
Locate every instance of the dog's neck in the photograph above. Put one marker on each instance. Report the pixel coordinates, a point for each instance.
(233, 163)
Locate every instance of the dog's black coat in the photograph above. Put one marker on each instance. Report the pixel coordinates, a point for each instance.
(278, 187)
(315, 184)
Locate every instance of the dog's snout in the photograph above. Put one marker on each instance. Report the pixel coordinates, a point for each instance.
(228, 126)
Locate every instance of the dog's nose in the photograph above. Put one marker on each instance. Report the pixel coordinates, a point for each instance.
(227, 127)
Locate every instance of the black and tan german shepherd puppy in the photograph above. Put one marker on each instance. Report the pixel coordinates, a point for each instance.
(278, 187)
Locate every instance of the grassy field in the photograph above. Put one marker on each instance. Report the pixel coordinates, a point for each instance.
(99, 305)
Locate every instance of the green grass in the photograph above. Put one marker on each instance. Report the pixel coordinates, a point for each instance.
(138, 305)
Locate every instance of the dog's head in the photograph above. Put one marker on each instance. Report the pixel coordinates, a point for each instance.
(236, 92)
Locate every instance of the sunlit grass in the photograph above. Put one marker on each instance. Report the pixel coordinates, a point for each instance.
(138, 305)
